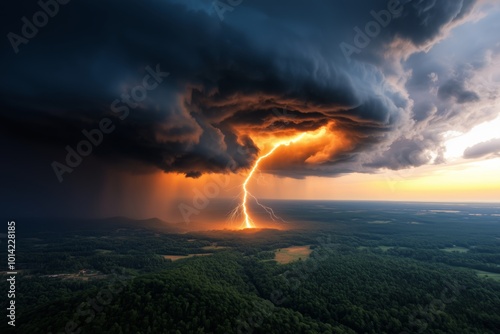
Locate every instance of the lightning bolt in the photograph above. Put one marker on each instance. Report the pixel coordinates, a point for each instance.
(269, 210)
(248, 222)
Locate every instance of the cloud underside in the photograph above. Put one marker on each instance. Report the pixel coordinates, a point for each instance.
(484, 149)
(267, 69)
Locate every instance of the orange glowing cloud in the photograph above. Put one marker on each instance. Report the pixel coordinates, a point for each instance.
(316, 147)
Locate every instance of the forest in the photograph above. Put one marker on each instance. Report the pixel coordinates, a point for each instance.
(433, 277)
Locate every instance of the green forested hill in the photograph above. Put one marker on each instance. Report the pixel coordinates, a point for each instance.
(438, 276)
(335, 291)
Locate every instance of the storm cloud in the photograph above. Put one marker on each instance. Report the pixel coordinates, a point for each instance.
(488, 148)
(267, 67)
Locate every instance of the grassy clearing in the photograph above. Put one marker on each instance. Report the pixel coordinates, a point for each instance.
(486, 274)
(290, 254)
(180, 257)
(83, 275)
(214, 247)
(455, 249)
(103, 251)
(382, 248)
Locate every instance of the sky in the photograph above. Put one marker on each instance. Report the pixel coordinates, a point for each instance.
(135, 108)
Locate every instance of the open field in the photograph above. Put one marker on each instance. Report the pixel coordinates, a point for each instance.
(291, 254)
(82, 275)
(214, 247)
(485, 274)
(382, 248)
(456, 249)
(103, 251)
(180, 257)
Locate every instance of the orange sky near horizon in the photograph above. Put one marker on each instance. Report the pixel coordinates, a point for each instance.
(158, 195)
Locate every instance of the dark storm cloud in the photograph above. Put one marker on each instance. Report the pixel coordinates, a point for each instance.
(456, 89)
(425, 20)
(489, 148)
(451, 89)
(225, 77)
(402, 153)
